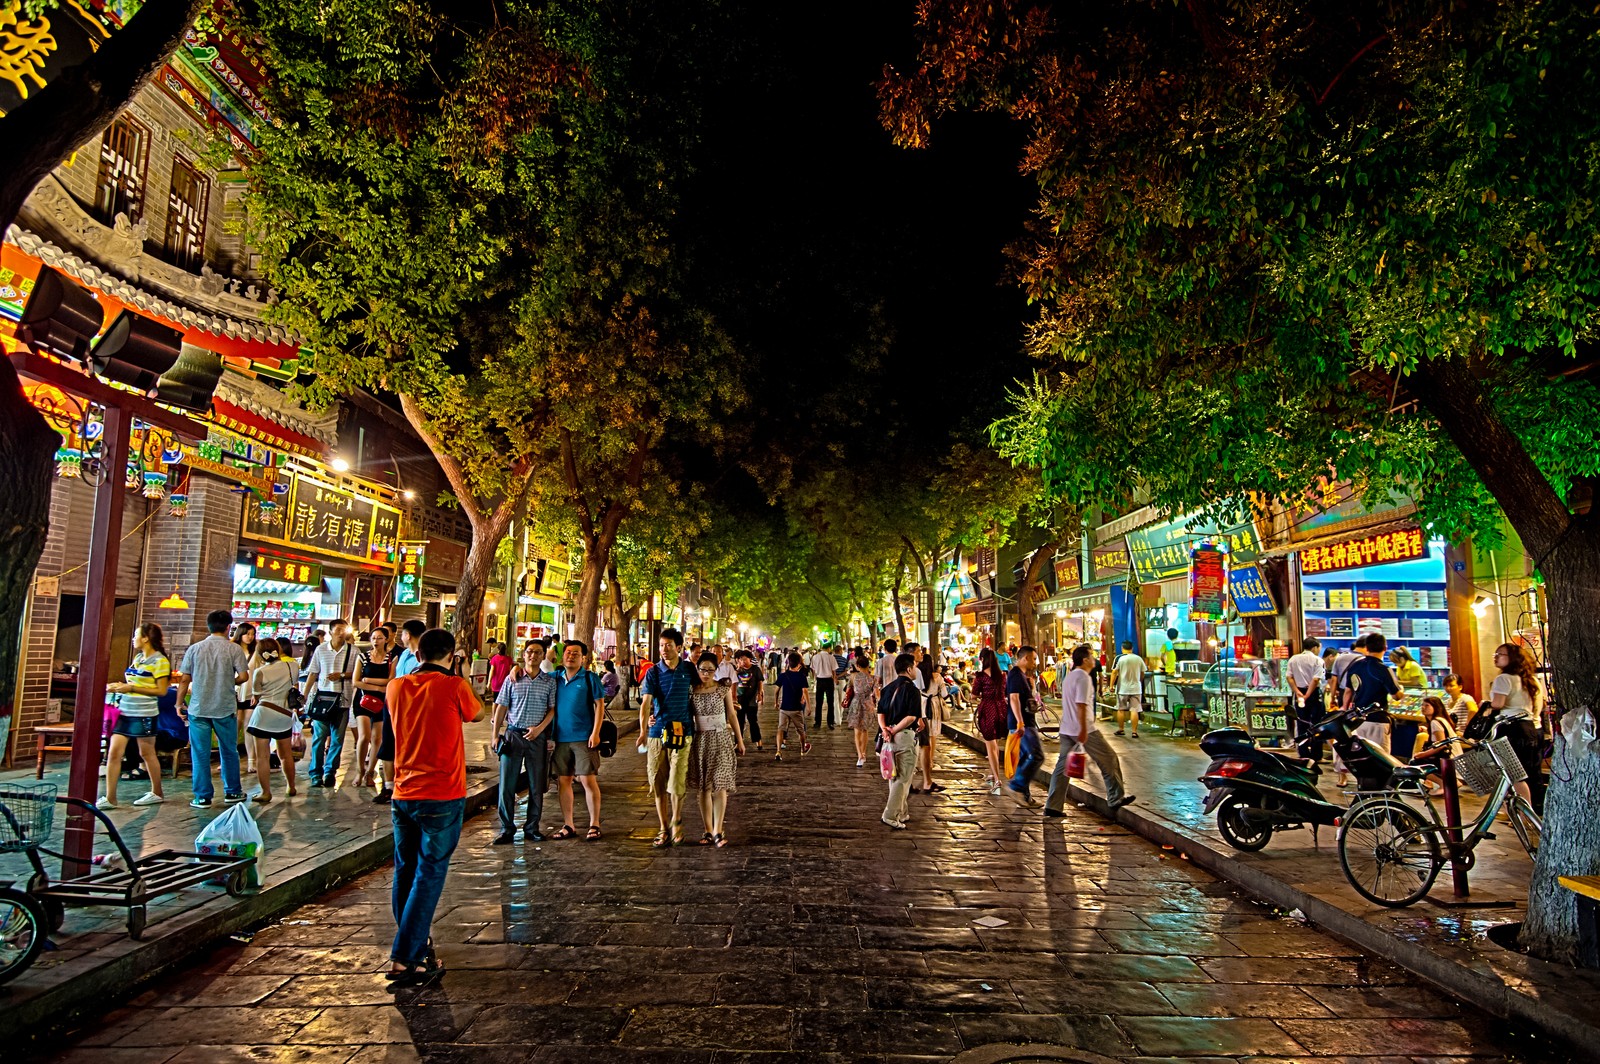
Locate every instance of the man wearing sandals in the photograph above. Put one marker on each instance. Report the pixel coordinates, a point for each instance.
(666, 715)
(426, 711)
(580, 710)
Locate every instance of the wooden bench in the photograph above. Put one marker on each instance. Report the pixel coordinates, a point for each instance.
(1587, 888)
(51, 739)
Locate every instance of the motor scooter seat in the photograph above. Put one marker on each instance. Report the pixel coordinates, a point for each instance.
(1413, 773)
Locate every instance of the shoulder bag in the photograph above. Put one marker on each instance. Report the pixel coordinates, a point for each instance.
(326, 706)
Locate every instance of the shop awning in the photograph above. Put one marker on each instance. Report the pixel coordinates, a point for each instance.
(1078, 601)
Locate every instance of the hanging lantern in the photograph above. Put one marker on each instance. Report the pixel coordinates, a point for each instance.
(178, 504)
(69, 462)
(155, 485)
(172, 455)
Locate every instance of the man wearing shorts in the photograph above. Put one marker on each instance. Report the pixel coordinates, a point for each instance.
(1130, 686)
(792, 697)
(667, 718)
(580, 710)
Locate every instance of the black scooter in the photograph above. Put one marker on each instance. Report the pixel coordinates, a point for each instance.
(1256, 791)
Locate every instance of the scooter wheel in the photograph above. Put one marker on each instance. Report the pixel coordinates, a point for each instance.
(1238, 829)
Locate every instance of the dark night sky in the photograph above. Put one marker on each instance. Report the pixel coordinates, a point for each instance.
(807, 203)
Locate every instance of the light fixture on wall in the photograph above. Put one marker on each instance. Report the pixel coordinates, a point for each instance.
(340, 465)
(1480, 606)
(174, 601)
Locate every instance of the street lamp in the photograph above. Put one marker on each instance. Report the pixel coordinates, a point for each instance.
(339, 465)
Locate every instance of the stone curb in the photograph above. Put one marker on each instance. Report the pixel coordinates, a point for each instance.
(113, 972)
(1460, 981)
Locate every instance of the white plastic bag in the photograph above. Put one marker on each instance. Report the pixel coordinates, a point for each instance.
(886, 760)
(234, 833)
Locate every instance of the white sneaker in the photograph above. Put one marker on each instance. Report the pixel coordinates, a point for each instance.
(106, 803)
(860, 761)
(149, 799)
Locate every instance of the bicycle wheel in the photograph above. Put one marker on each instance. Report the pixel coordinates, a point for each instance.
(1387, 852)
(22, 932)
(1529, 828)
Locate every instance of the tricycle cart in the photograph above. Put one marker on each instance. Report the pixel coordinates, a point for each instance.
(26, 817)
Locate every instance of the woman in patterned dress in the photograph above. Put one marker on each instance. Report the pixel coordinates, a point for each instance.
(861, 713)
(714, 754)
(993, 714)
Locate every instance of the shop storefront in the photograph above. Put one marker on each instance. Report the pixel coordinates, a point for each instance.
(1160, 556)
(1390, 582)
(318, 520)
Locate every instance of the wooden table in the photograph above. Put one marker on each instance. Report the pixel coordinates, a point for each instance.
(51, 739)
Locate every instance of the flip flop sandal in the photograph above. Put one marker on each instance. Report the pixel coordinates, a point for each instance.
(592, 835)
(677, 834)
(707, 839)
(661, 841)
(567, 832)
(722, 840)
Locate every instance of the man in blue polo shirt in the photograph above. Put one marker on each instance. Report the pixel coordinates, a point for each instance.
(665, 715)
(580, 710)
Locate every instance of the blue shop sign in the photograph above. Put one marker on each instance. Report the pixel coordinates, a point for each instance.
(1251, 596)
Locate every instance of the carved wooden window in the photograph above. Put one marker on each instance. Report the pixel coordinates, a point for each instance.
(120, 188)
(185, 238)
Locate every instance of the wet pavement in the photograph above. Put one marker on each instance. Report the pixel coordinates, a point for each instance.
(817, 935)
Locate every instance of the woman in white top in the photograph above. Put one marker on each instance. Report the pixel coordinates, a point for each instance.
(1518, 699)
(246, 638)
(272, 721)
(933, 687)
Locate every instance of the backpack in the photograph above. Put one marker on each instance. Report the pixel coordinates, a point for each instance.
(1481, 726)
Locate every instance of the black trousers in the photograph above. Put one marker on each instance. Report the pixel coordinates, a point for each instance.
(824, 690)
(525, 760)
(1306, 717)
(750, 716)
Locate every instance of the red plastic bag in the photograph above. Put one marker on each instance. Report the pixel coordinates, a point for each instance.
(1076, 763)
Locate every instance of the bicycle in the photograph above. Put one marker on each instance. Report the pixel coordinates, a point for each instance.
(27, 812)
(1399, 853)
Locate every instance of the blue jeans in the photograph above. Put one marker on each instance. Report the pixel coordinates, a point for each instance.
(227, 733)
(328, 737)
(425, 835)
(1030, 755)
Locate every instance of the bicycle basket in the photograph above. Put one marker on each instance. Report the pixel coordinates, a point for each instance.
(1477, 769)
(27, 812)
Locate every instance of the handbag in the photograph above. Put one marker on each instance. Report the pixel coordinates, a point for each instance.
(371, 703)
(326, 706)
(674, 736)
(608, 738)
(849, 695)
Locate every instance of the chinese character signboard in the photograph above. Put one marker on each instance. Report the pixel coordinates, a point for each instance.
(286, 570)
(408, 573)
(1250, 594)
(1161, 552)
(1069, 574)
(1400, 545)
(1208, 582)
(553, 578)
(326, 519)
(1109, 560)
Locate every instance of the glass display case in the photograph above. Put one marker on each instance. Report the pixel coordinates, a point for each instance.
(1250, 693)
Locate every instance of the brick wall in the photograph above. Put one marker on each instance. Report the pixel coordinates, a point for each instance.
(39, 638)
(196, 553)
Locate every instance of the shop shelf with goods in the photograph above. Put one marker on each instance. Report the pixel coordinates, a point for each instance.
(1404, 601)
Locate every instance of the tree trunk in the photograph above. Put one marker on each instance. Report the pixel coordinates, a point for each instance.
(81, 101)
(899, 610)
(27, 447)
(586, 603)
(1027, 618)
(474, 583)
(1566, 550)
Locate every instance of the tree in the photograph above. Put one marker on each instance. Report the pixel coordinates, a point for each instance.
(1282, 241)
(472, 209)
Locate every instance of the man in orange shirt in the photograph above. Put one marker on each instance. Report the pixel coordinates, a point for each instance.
(426, 711)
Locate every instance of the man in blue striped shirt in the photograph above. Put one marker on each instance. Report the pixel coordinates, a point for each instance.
(525, 710)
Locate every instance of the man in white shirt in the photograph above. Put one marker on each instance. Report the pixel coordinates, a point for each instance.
(1305, 680)
(1078, 729)
(334, 665)
(886, 673)
(726, 675)
(1129, 671)
(824, 668)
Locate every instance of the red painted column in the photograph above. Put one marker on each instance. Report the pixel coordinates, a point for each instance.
(99, 605)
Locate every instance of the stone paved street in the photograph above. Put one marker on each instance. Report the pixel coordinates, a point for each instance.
(817, 935)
